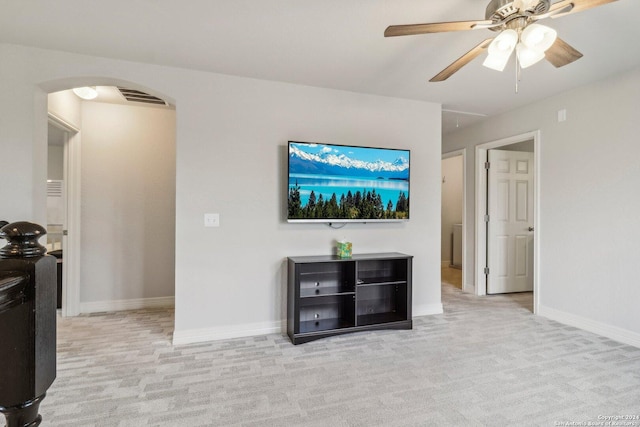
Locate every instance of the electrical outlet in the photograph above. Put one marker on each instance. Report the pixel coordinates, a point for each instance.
(212, 220)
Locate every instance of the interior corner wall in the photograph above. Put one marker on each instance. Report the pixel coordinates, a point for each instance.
(588, 223)
(452, 195)
(231, 136)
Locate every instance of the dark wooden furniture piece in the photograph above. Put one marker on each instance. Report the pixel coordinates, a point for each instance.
(27, 323)
(328, 295)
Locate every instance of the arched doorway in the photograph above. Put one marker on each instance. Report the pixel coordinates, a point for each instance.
(114, 224)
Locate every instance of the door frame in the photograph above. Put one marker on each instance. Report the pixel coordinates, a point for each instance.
(70, 242)
(481, 208)
(466, 287)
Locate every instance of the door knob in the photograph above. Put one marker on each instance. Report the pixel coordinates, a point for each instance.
(530, 228)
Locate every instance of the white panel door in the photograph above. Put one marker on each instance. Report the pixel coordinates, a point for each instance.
(510, 226)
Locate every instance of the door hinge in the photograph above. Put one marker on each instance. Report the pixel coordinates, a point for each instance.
(486, 218)
(487, 165)
(486, 271)
(65, 232)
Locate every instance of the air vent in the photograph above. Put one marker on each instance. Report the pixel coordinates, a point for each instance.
(54, 188)
(138, 96)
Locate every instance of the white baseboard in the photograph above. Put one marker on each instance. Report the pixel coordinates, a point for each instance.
(192, 336)
(613, 332)
(427, 310)
(126, 304)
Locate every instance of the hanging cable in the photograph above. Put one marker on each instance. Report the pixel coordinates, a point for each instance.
(335, 227)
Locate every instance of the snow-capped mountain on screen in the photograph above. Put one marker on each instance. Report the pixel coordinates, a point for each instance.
(314, 159)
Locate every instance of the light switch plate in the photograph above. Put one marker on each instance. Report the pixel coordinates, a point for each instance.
(212, 220)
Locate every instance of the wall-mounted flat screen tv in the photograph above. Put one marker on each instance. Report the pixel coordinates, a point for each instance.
(342, 183)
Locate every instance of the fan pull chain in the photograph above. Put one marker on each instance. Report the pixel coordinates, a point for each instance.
(518, 71)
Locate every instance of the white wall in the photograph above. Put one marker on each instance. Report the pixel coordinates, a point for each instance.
(23, 192)
(526, 146)
(55, 162)
(232, 155)
(67, 106)
(128, 202)
(588, 223)
(231, 159)
(452, 193)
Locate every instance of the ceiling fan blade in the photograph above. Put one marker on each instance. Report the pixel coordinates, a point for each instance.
(578, 6)
(436, 27)
(561, 53)
(461, 62)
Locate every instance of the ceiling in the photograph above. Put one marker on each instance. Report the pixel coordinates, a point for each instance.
(329, 43)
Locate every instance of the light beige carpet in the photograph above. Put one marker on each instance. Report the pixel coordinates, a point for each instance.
(485, 361)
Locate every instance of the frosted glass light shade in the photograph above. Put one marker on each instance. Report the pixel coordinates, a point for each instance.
(496, 62)
(500, 50)
(527, 56)
(538, 37)
(504, 43)
(86, 92)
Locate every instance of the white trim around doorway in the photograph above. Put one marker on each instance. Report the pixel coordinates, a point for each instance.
(71, 242)
(481, 207)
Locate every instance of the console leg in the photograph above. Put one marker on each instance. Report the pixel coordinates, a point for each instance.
(23, 415)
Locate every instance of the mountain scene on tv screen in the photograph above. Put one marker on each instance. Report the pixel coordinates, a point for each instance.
(344, 182)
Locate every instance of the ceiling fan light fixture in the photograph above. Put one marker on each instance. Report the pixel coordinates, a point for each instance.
(527, 56)
(496, 62)
(518, 15)
(86, 92)
(538, 37)
(504, 43)
(500, 50)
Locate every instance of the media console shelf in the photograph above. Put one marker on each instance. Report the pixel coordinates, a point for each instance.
(328, 295)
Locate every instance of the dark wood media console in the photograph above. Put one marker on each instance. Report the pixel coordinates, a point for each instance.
(328, 295)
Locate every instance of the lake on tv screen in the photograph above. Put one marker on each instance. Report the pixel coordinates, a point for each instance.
(389, 190)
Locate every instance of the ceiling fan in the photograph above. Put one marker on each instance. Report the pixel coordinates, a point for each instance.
(516, 22)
